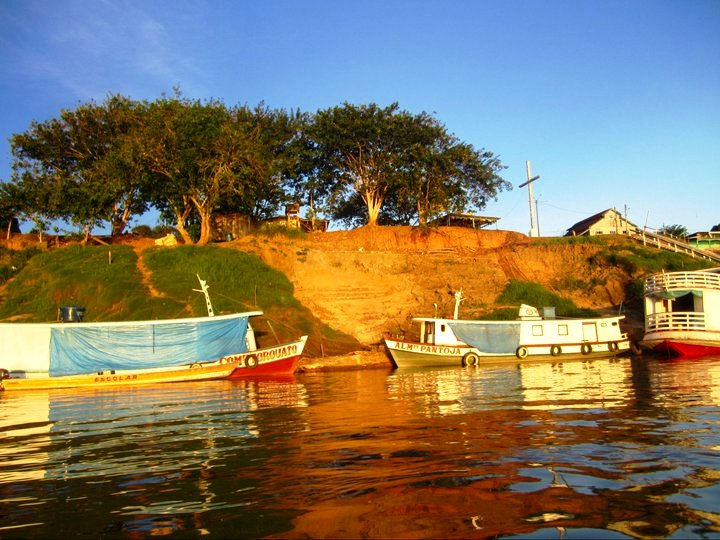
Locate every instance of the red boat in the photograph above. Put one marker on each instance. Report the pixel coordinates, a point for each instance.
(279, 360)
(682, 313)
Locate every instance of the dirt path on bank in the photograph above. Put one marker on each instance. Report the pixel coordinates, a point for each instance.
(145, 273)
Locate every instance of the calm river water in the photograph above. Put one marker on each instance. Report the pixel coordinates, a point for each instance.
(597, 449)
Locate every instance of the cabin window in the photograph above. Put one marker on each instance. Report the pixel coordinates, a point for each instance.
(562, 329)
(442, 328)
(614, 323)
(537, 330)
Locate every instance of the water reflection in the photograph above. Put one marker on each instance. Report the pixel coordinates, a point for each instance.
(606, 448)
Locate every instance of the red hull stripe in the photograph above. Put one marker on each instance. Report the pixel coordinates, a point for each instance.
(282, 366)
(686, 350)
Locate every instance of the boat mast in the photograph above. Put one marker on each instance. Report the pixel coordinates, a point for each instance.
(204, 289)
(458, 298)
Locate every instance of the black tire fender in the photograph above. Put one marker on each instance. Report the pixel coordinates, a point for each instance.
(470, 359)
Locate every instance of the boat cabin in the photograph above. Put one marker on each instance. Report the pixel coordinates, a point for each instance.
(683, 301)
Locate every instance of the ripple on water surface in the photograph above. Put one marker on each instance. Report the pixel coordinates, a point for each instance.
(596, 449)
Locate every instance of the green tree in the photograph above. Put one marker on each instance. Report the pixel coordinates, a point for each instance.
(678, 231)
(78, 157)
(269, 156)
(367, 156)
(202, 157)
(9, 207)
(360, 153)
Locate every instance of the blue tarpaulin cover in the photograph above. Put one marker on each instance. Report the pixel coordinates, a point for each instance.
(86, 349)
(497, 338)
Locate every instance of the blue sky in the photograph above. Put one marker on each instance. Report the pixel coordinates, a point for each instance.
(614, 103)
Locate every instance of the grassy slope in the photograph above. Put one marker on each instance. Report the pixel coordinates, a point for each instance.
(110, 292)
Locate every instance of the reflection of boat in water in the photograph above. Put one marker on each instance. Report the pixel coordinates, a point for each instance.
(79, 354)
(682, 313)
(541, 385)
(470, 342)
(595, 383)
(65, 434)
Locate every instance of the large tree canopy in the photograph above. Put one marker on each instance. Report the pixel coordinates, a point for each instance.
(190, 158)
(365, 156)
(78, 159)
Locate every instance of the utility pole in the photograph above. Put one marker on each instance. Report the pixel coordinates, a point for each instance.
(534, 231)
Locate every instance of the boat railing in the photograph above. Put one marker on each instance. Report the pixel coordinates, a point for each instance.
(682, 281)
(679, 320)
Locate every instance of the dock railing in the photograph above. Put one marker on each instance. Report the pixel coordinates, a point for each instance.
(680, 320)
(670, 244)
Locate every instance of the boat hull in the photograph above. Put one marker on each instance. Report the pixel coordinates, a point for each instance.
(683, 343)
(270, 361)
(101, 379)
(413, 354)
(685, 349)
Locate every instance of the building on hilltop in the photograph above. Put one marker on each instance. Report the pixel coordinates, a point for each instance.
(704, 240)
(463, 220)
(608, 221)
(233, 225)
(292, 220)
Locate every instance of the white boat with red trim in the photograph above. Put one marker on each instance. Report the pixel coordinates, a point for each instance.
(88, 354)
(682, 313)
(470, 342)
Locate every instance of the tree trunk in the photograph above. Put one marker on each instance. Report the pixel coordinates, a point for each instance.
(180, 218)
(119, 222)
(422, 216)
(205, 227)
(181, 215)
(374, 203)
(118, 226)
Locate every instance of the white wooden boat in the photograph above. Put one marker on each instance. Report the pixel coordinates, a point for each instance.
(88, 354)
(682, 313)
(64, 355)
(469, 342)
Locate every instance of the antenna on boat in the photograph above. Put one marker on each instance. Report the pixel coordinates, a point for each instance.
(204, 289)
(458, 298)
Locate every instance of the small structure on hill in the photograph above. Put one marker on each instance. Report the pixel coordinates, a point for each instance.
(704, 240)
(233, 225)
(471, 221)
(292, 220)
(229, 226)
(608, 221)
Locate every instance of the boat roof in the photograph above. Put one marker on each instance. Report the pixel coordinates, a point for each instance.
(526, 319)
(135, 323)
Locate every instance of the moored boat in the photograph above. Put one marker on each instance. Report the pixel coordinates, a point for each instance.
(682, 313)
(64, 355)
(457, 342)
(88, 354)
